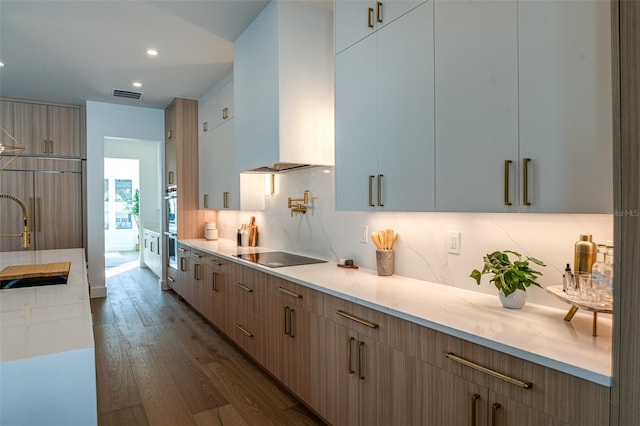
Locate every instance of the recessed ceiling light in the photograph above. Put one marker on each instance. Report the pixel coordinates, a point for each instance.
(152, 52)
(137, 84)
(1, 64)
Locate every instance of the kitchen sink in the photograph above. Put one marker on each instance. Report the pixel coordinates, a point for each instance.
(32, 282)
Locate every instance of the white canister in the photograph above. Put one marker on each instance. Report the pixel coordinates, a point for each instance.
(210, 231)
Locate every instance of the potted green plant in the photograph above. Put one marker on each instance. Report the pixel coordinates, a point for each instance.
(133, 208)
(510, 278)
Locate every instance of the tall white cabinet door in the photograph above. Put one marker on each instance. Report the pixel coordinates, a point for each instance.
(225, 180)
(406, 112)
(476, 91)
(351, 22)
(356, 146)
(206, 158)
(565, 104)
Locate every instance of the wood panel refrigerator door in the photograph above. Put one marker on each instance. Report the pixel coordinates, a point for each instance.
(476, 93)
(20, 185)
(58, 210)
(406, 112)
(565, 105)
(356, 99)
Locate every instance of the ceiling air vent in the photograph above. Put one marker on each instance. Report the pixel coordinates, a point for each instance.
(127, 94)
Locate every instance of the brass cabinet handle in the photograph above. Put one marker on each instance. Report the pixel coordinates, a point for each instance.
(474, 415)
(205, 126)
(370, 18)
(44, 146)
(225, 113)
(50, 147)
(225, 200)
(360, 345)
(196, 272)
(371, 177)
(349, 344)
(182, 250)
(378, 11)
(183, 261)
(507, 164)
(170, 178)
(356, 319)
(380, 191)
(289, 292)
(292, 323)
(171, 279)
(169, 134)
(494, 409)
(525, 181)
(241, 328)
(196, 255)
(245, 288)
(520, 383)
(287, 313)
(214, 282)
(205, 200)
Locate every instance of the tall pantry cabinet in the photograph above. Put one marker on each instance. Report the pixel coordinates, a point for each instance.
(47, 177)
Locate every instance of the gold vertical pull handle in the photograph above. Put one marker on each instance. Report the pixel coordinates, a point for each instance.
(360, 345)
(196, 272)
(205, 200)
(507, 165)
(349, 344)
(214, 282)
(380, 191)
(494, 410)
(292, 323)
(287, 315)
(44, 146)
(474, 403)
(371, 177)
(225, 200)
(378, 11)
(183, 264)
(525, 181)
(50, 147)
(370, 17)
(170, 178)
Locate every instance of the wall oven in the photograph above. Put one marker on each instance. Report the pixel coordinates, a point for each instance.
(171, 228)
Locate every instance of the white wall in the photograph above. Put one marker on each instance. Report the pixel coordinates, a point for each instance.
(110, 121)
(420, 251)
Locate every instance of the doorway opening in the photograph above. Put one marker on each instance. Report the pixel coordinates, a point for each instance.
(121, 214)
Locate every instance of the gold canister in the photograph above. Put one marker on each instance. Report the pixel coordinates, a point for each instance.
(584, 254)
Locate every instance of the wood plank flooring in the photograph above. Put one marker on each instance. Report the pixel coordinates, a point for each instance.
(160, 363)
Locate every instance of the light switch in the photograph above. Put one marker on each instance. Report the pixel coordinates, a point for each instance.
(453, 242)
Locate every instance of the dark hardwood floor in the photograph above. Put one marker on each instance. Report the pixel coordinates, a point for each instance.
(159, 362)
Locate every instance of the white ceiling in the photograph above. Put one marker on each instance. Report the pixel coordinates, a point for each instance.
(73, 51)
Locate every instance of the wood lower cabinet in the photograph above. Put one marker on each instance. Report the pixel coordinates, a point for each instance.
(248, 311)
(215, 291)
(183, 278)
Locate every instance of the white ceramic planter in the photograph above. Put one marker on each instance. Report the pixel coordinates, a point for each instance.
(515, 300)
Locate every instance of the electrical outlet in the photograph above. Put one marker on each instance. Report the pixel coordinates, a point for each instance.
(364, 234)
(453, 242)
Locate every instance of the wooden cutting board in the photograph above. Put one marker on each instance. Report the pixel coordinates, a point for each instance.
(38, 270)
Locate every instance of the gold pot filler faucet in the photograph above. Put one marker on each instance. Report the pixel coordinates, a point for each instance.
(26, 237)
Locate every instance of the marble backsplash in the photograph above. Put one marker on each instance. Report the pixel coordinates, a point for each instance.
(421, 250)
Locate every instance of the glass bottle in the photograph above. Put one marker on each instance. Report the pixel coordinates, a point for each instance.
(599, 280)
(608, 271)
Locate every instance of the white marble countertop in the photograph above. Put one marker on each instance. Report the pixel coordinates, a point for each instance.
(536, 333)
(36, 321)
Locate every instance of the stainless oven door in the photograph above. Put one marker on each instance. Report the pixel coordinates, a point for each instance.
(172, 250)
(172, 213)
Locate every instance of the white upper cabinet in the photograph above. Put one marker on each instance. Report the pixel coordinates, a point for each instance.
(283, 85)
(476, 94)
(356, 19)
(566, 105)
(527, 83)
(384, 118)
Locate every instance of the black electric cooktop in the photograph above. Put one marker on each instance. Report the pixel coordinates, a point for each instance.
(277, 259)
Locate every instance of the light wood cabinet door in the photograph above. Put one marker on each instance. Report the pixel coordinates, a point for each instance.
(184, 270)
(216, 272)
(58, 210)
(64, 131)
(171, 163)
(30, 127)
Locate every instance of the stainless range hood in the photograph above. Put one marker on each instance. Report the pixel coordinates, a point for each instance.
(283, 89)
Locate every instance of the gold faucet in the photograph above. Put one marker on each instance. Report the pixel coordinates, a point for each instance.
(26, 236)
(298, 207)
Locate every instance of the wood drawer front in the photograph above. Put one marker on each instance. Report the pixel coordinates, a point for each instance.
(249, 289)
(384, 328)
(562, 396)
(296, 295)
(250, 333)
(217, 264)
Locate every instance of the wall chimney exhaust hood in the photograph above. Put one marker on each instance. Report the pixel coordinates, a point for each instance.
(283, 88)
